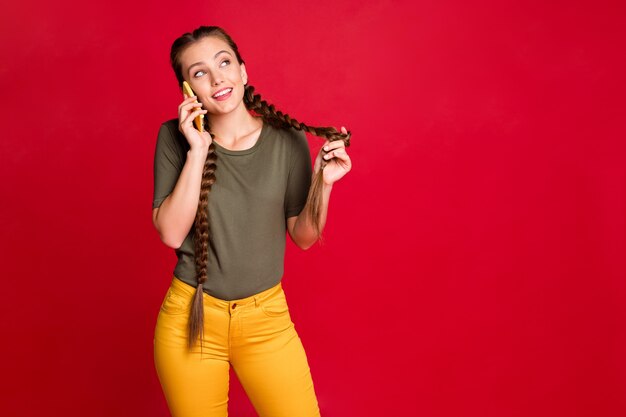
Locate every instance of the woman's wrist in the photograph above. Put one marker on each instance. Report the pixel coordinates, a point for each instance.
(197, 153)
(327, 187)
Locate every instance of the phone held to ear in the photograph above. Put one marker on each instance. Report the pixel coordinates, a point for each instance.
(199, 120)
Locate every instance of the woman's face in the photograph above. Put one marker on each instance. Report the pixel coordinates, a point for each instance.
(210, 66)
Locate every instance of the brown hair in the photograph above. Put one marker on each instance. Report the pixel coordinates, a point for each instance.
(273, 117)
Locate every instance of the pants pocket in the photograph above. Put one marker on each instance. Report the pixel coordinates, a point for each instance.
(275, 306)
(175, 303)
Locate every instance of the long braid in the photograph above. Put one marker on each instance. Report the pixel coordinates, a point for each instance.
(284, 121)
(201, 243)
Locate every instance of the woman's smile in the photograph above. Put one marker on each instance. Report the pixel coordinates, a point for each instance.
(223, 94)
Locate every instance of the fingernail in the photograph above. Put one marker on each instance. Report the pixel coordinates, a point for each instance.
(325, 148)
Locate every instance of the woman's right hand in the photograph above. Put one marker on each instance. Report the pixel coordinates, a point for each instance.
(187, 111)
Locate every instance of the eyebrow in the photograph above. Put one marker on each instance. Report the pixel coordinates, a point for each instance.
(199, 63)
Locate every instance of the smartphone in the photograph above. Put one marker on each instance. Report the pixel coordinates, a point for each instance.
(199, 120)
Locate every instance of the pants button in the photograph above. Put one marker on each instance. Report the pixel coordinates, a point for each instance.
(234, 305)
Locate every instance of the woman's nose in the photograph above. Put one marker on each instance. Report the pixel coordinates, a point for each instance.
(216, 77)
(217, 80)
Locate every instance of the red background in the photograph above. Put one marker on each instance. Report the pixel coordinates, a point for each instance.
(474, 256)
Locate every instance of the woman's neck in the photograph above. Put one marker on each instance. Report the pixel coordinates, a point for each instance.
(231, 128)
(236, 129)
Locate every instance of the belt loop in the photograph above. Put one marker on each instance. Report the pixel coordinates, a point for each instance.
(256, 301)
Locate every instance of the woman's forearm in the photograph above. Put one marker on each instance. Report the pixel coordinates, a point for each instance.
(305, 234)
(177, 213)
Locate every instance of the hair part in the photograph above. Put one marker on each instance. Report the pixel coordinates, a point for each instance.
(276, 118)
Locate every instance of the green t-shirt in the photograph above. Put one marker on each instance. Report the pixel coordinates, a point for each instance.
(255, 191)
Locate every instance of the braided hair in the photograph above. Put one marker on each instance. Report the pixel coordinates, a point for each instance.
(276, 118)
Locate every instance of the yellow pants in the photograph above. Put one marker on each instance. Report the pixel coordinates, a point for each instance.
(254, 334)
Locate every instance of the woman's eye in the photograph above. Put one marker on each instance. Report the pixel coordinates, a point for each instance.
(226, 60)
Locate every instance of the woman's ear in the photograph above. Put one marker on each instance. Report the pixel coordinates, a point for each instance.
(244, 74)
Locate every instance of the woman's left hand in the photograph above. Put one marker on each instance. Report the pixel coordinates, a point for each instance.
(337, 160)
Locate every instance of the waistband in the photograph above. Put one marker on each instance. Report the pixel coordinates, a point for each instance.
(182, 287)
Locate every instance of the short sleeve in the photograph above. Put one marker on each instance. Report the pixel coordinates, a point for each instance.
(168, 163)
(299, 180)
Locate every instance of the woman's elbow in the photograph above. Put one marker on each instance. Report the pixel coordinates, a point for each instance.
(171, 243)
(304, 245)
(168, 240)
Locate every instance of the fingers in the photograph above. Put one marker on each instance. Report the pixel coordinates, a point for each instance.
(336, 149)
(188, 120)
(188, 99)
(194, 114)
(339, 153)
(188, 102)
(348, 134)
(197, 112)
(189, 105)
(336, 144)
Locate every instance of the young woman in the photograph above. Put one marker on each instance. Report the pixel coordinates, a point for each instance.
(224, 199)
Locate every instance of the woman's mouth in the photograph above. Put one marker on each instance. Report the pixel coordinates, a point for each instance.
(223, 94)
